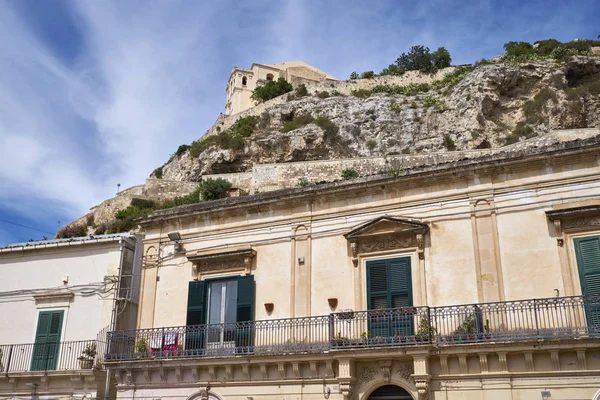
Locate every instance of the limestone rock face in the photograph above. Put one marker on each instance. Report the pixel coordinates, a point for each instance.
(481, 111)
(494, 105)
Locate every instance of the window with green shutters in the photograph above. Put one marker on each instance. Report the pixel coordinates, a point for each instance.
(587, 250)
(47, 341)
(232, 327)
(389, 285)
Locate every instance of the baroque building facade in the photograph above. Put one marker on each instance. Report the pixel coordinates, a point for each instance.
(243, 81)
(474, 279)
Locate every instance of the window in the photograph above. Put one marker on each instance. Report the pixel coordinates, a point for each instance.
(389, 286)
(587, 251)
(47, 341)
(216, 312)
(244, 81)
(270, 77)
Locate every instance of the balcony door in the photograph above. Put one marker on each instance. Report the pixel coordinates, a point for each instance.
(587, 250)
(389, 285)
(221, 318)
(47, 341)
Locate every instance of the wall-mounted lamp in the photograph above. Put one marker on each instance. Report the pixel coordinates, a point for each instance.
(176, 237)
(333, 302)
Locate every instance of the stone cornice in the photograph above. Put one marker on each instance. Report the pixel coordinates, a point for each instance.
(501, 159)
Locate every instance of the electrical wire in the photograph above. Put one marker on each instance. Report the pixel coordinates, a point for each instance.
(25, 226)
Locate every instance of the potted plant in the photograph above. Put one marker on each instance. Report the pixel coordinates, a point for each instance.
(86, 360)
(339, 340)
(345, 314)
(466, 330)
(424, 330)
(141, 347)
(379, 311)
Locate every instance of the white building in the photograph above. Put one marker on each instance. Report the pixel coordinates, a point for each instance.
(58, 298)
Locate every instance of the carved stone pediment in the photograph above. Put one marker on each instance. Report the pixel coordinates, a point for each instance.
(575, 217)
(222, 260)
(386, 233)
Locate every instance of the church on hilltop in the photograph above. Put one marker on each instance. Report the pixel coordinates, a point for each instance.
(243, 81)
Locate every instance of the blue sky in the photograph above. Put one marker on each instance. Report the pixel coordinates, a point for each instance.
(95, 93)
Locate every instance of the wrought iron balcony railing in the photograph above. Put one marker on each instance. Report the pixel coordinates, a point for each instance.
(510, 321)
(51, 356)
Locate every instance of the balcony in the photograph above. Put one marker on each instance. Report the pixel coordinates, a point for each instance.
(52, 356)
(548, 319)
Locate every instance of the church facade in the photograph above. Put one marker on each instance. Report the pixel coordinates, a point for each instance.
(243, 81)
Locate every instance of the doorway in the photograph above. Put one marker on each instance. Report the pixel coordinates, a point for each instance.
(390, 392)
(222, 314)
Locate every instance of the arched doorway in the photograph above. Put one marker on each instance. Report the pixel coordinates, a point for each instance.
(390, 392)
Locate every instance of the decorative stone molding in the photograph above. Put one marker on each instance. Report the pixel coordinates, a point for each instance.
(228, 373)
(212, 373)
(444, 364)
(346, 389)
(386, 369)
(405, 371)
(329, 366)
(146, 375)
(313, 368)
(162, 374)
(462, 360)
(483, 363)
(555, 360)
(178, 374)
(296, 369)
(222, 260)
(577, 217)
(264, 371)
(581, 360)
(246, 371)
(386, 233)
(281, 369)
(51, 299)
(422, 389)
(367, 374)
(503, 362)
(196, 373)
(529, 361)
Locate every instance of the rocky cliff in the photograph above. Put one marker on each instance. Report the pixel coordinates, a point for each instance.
(479, 107)
(487, 106)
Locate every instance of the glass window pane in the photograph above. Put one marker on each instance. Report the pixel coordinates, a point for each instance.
(214, 311)
(231, 302)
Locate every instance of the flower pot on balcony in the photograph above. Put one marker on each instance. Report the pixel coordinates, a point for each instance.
(346, 315)
(86, 363)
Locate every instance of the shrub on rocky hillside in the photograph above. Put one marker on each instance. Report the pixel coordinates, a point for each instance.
(271, 90)
(213, 189)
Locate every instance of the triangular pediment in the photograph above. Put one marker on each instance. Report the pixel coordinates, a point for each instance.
(386, 226)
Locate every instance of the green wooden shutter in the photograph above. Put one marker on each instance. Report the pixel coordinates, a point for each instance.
(245, 313)
(196, 317)
(587, 251)
(377, 285)
(389, 285)
(47, 341)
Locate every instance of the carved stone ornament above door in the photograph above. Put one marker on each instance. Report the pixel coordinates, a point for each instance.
(577, 217)
(386, 233)
(228, 259)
